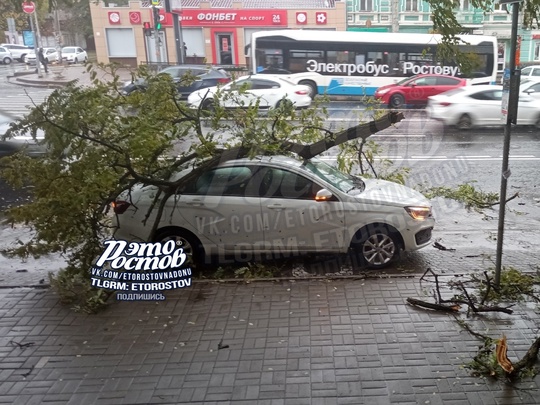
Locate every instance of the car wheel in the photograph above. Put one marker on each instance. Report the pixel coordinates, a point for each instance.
(6, 61)
(21, 59)
(464, 122)
(312, 87)
(397, 101)
(285, 103)
(209, 105)
(76, 60)
(191, 246)
(375, 246)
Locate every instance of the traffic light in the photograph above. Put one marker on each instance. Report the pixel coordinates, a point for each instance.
(157, 20)
(147, 27)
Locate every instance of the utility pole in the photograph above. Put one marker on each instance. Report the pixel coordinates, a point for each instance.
(510, 106)
(157, 31)
(172, 6)
(394, 15)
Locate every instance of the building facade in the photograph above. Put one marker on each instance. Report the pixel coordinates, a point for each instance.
(415, 16)
(215, 32)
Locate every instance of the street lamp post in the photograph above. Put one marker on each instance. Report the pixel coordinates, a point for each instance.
(511, 117)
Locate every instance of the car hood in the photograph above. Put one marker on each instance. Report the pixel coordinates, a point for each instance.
(384, 192)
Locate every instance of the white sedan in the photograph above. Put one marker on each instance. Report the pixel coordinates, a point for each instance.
(74, 54)
(49, 53)
(480, 106)
(248, 209)
(268, 91)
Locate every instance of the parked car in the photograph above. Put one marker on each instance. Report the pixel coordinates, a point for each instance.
(5, 56)
(531, 71)
(268, 91)
(74, 54)
(281, 205)
(206, 76)
(17, 51)
(49, 53)
(531, 87)
(480, 106)
(416, 89)
(26, 143)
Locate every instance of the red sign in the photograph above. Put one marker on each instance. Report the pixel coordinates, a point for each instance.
(135, 17)
(228, 18)
(114, 17)
(28, 7)
(301, 18)
(320, 18)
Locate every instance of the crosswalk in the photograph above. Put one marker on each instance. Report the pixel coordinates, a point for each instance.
(19, 104)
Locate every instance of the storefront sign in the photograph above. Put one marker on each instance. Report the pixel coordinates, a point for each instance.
(135, 17)
(114, 17)
(229, 18)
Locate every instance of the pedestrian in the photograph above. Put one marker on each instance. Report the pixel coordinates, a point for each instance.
(43, 60)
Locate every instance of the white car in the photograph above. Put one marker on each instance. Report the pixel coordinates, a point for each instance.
(49, 53)
(5, 56)
(255, 208)
(480, 106)
(74, 54)
(17, 51)
(268, 91)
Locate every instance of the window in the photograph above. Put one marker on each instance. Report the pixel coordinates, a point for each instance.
(493, 95)
(425, 81)
(411, 5)
(264, 84)
(465, 5)
(120, 42)
(279, 183)
(223, 181)
(447, 81)
(365, 5)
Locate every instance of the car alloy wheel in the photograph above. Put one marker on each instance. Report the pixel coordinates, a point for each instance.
(376, 247)
(189, 243)
(397, 101)
(7, 61)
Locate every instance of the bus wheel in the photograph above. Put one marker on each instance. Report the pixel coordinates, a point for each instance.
(312, 87)
(396, 101)
(464, 122)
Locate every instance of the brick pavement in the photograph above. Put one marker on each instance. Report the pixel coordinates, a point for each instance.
(289, 342)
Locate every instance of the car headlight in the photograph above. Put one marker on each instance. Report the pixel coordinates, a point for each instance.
(419, 213)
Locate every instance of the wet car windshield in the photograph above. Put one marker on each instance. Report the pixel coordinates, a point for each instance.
(344, 182)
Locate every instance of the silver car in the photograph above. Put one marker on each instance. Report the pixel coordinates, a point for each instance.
(270, 206)
(5, 56)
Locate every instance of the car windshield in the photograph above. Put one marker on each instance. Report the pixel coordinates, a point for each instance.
(342, 181)
(68, 50)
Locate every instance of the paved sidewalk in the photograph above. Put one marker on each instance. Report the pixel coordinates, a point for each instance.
(59, 76)
(290, 343)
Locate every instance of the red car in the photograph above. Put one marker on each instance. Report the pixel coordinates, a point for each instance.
(416, 89)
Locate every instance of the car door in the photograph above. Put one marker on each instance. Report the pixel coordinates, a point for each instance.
(533, 90)
(296, 221)
(528, 110)
(222, 207)
(486, 106)
(418, 91)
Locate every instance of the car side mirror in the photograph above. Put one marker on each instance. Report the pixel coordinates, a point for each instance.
(323, 195)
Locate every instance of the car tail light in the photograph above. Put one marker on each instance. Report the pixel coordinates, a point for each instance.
(445, 103)
(119, 207)
(224, 80)
(302, 92)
